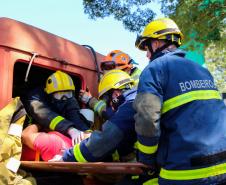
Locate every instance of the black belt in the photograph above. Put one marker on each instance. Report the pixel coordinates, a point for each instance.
(209, 159)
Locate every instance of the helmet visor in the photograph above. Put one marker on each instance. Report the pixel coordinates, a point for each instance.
(133, 62)
(108, 65)
(64, 95)
(141, 42)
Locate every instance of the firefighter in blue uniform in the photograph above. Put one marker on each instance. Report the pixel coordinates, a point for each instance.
(118, 133)
(56, 108)
(116, 59)
(181, 118)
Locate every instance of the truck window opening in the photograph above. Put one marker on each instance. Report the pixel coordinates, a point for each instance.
(37, 77)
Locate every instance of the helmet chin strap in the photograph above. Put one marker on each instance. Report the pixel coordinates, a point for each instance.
(116, 102)
(158, 50)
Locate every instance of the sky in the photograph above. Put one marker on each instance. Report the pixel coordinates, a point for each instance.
(67, 19)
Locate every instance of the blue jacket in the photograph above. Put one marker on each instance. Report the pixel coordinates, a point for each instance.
(188, 139)
(118, 133)
(57, 115)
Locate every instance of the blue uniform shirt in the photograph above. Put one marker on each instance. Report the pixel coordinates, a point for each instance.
(118, 133)
(193, 119)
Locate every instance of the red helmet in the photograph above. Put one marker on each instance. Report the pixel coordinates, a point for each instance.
(117, 59)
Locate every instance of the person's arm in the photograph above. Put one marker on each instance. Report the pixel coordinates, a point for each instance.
(38, 108)
(108, 113)
(29, 135)
(147, 126)
(148, 105)
(98, 106)
(97, 146)
(103, 143)
(72, 113)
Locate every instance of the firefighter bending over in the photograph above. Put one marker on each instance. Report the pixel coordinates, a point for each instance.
(118, 133)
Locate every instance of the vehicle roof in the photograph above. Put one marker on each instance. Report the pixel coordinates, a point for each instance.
(28, 38)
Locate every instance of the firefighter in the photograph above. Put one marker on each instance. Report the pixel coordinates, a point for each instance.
(12, 118)
(116, 59)
(118, 133)
(181, 118)
(116, 140)
(56, 108)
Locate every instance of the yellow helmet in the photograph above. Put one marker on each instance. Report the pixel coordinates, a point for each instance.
(164, 28)
(59, 81)
(114, 79)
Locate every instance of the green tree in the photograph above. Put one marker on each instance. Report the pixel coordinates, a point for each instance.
(205, 18)
(132, 13)
(201, 21)
(215, 55)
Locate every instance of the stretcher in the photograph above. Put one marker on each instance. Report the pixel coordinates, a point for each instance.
(89, 167)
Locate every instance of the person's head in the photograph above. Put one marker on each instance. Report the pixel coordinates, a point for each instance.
(117, 59)
(60, 85)
(159, 35)
(113, 84)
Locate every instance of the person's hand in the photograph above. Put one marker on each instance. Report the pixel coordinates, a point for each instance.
(84, 96)
(56, 158)
(76, 135)
(87, 135)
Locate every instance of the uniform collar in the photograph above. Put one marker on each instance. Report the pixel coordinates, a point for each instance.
(176, 51)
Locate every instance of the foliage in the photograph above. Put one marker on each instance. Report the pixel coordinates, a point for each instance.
(206, 17)
(133, 14)
(201, 21)
(215, 55)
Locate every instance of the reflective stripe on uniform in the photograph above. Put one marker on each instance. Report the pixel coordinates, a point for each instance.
(54, 80)
(193, 174)
(135, 76)
(78, 154)
(188, 97)
(115, 156)
(151, 182)
(146, 149)
(98, 107)
(70, 81)
(55, 122)
(135, 177)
